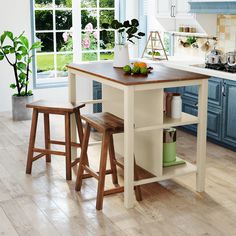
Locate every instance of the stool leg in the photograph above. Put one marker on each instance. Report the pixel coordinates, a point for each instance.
(102, 170)
(80, 131)
(68, 146)
(47, 135)
(137, 189)
(113, 161)
(83, 158)
(32, 141)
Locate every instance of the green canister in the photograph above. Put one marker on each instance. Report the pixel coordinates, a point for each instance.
(169, 146)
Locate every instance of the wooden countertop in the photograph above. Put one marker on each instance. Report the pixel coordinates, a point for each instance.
(160, 74)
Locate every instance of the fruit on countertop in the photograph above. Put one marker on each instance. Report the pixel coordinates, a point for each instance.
(139, 68)
(155, 53)
(127, 69)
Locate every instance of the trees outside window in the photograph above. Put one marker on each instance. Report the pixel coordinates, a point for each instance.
(53, 27)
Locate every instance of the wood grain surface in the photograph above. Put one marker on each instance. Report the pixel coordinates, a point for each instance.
(159, 74)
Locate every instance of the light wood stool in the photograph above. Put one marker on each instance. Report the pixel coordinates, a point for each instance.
(47, 108)
(107, 124)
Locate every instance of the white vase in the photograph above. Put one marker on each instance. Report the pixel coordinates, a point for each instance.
(121, 55)
(176, 106)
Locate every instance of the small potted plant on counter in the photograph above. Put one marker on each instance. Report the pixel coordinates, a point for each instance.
(18, 53)
(126, 32)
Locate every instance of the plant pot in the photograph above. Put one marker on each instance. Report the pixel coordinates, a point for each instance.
(19, 110)
(121, 56)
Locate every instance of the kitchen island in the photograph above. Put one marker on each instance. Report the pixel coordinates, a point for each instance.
(139, 101)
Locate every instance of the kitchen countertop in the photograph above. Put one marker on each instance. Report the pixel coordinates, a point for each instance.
(190, 65)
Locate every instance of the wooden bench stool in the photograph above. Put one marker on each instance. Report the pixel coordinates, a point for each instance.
(107, 124)
(47, 108)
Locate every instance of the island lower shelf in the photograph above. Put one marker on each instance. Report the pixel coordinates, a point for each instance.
(170, 172)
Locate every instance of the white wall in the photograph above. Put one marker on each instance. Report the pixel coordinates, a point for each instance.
(15, 16)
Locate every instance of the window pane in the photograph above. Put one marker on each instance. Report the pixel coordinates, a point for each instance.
(62, 61)
(92, 56)
(88, 3)
(106, 55)
(63, 3)
(43, 20)
(43, 3)
(64, 42)
(89, 40)
(107, 39)
(89, 20)
(63, 20)
(107, 3)
(47, 41)
(106, 16)
(45, 66)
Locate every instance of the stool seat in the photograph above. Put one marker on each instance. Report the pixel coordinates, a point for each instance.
(105, 122)
(57, 107)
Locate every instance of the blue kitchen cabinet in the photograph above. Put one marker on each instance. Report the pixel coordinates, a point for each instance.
(97, 94)
(229, 113)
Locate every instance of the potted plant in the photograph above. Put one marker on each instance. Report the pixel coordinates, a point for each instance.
(18, 53)
(126, 32)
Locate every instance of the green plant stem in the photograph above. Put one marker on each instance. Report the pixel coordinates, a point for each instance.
(16, 76)
(6, 56)
(27, 79)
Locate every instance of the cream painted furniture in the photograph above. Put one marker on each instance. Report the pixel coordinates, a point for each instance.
(139, 101)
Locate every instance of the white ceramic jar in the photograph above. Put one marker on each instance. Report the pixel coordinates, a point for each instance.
(176, 106)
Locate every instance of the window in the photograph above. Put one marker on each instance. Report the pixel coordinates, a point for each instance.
(95, 43)
(52, 26)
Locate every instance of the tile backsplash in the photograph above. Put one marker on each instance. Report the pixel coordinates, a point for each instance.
(226, 34)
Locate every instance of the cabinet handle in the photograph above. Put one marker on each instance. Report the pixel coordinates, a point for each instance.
(171, 11)
(223, 90)
(174, 11)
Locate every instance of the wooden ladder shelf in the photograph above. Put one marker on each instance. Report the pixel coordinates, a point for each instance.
(154, 44)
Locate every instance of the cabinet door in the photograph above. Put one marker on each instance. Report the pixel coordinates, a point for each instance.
(229, 120)
(164, 8)
(182, 9)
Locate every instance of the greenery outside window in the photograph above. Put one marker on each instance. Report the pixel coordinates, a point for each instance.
(53, 27)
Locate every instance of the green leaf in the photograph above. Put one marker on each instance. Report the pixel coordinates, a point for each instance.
(132, 30)
(13, 86)
(115, 24)
(121, 30)
(135, 23)
(9, 35)
(30, 92)
(25, 41)
(21, 65)
(3, 36)
(126, 24)
(141, 34)
(12, 50)
(22, 76)
(22, 93)
(23, 50)
(105, 25)
(1, 56)
(18, 56)
(36, 45)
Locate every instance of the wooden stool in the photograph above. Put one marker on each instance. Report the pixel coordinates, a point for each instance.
(48, 108)
(106, 124)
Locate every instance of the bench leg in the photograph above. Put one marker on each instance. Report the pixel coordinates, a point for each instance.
(83, 158)
(32, 141)
(47, 135)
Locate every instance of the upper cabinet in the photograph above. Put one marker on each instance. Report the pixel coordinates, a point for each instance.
(173, 9)
(164, 8)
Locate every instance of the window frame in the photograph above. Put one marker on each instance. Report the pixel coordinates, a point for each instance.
(77, 40)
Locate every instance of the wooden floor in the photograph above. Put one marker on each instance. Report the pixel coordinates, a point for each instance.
(45, 204)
